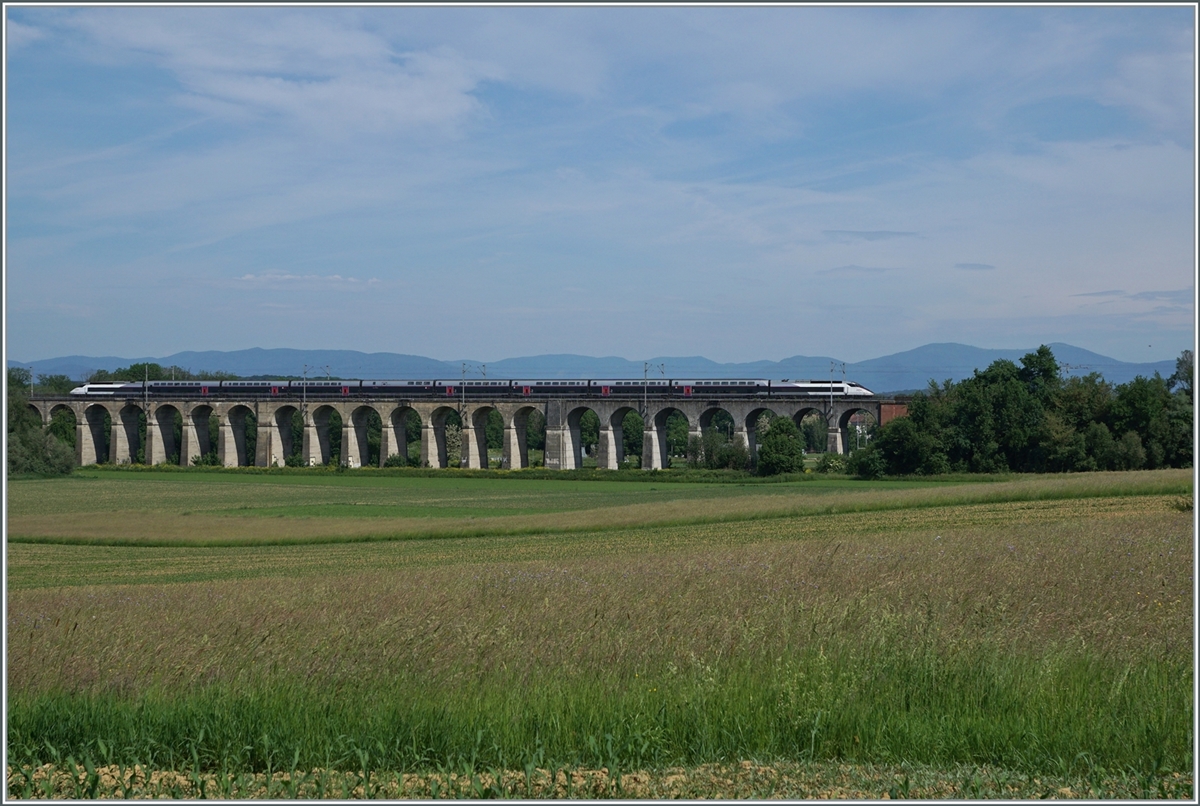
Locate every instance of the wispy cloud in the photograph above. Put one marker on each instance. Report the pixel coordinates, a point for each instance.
(322, 71)
(18, 35)
(974, 266)
(856, 270)
(284, 279)
(849, 235)
(1158, 85)
(1180, 296)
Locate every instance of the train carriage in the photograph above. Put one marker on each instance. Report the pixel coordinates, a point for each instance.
(326, 388)
(398, 387)
(709, 387)
(624, 387)
(555, 387)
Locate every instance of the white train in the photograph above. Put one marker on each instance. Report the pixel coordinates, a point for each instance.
(539, 387)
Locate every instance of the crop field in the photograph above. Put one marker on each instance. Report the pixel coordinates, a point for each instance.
(398, 635)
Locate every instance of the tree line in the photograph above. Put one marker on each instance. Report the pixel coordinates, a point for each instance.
(1030, 419)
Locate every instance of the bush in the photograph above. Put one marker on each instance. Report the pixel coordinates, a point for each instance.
(831, 463)
(33, 452)
(732, 455)
(782, 449)
(715, 451)
(209, 459)
(867, 463)
(398, 460)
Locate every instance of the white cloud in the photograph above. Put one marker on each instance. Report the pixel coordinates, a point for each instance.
(851, 235)
(1158, 85)
(283, 279)
(321, 71)
(856, 270)
(17, 35)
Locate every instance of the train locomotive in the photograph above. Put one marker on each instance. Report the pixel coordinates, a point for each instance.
(492, 389)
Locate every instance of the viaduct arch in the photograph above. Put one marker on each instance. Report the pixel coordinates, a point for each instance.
(116, 424)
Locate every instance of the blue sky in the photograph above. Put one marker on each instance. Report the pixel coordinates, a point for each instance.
(738, 183)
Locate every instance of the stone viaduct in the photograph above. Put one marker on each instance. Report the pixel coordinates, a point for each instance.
(563, 450)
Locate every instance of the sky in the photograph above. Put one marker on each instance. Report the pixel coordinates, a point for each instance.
(486, 183)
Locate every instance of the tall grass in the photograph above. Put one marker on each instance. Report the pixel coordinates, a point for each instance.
(1056, 711)
(1039, 645)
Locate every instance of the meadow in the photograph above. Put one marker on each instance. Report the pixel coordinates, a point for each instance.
(405, 635)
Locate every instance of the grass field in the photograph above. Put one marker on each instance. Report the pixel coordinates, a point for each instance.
(410, 636)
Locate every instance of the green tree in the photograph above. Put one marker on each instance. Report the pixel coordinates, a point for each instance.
(722, 422)
(905, 449)
(677, 433)
(31, 449)
(815, 431)
(374, 437)
(54, 385)
(62, 426)
(589, 431)
(495, 430)
(1184, 367)
(335, 438)
(631, 436)
(535, 430)
(1040, 374)
(781, 449)
(1147, 407)
(1083, 400)
(1030, 419)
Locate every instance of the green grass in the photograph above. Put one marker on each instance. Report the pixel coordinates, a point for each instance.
(884, 703)
(1030, 631)
(149, 509)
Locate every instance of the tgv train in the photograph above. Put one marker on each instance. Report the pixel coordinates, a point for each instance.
(618, 387)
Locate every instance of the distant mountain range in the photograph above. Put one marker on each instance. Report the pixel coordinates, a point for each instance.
(906, 371)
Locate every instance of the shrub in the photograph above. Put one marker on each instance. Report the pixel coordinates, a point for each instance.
(34, 452)
(398, 460)
(831, 463)
(867, 463)
(211, 459)
(782, 449)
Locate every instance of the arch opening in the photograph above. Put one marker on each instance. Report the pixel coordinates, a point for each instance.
(524, 438)
(718, 446)
(323, 444)
(668, 438)
(442, 446)
(128, 436)
(856, 428)
(365, 433)
(757, 422)
(238, 437)
(63, 425)
(96, 435)
(620, 440)
(280, 439)
(814, 429)
(200, 428)
(581, 436)
(494, 438)
(400, 441)
(475, 437)
(162, 442)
